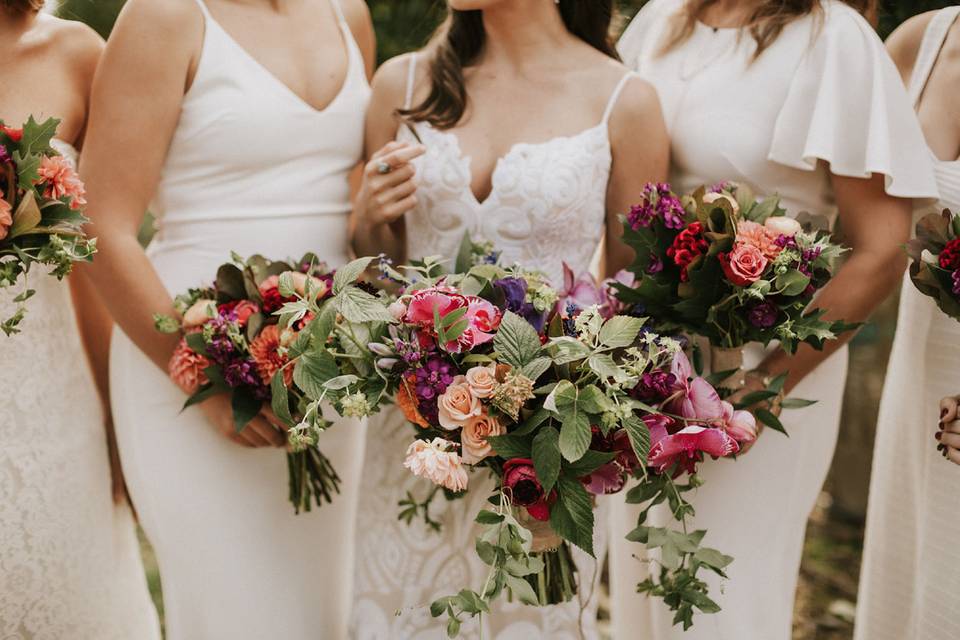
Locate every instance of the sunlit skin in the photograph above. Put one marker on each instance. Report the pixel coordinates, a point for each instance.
(48, 66)
(148, 65)
(533, 81)
(939, 114)
(875, 227)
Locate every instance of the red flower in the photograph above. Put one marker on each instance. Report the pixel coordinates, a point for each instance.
(270, 293)
(520, 478)
(687, 247)
(950, 256)
(15, 135)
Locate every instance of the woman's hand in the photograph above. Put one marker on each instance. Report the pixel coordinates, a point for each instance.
(388, 190)
(259, 433)
(949, 434)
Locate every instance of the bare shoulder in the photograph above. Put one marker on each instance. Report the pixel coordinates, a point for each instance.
(904, 43)
(638, 107)
(358, 15)
(77, 46)
(173, 21)
(390, 81)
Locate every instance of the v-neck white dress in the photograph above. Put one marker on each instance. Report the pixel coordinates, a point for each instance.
(252, 168)
(548, 206)
(824, 92)
(910, 582)
(70, 564)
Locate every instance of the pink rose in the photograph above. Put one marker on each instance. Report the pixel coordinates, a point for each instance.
(457, 405)
(436, 462)
(199, 313)
(686, 448)
(740, 425)
(482, 381)
(744, 265)
(473, 437)
(186, 368)
(6, 216)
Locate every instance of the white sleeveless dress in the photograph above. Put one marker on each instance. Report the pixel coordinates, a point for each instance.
(910, 582)
(69, 559)
(547, 207)
(824, 90)
(252, 168)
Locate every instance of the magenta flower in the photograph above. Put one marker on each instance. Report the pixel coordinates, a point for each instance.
(739, 425)
(687, 447)
(444, 300)
(580, 291)
(694, 398)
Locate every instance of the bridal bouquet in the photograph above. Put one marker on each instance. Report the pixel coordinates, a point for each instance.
(41, 210)
(252, 335)
(561, 404)
(935, 255)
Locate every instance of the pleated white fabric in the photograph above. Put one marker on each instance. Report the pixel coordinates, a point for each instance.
(252, 168)
(825, 90)
(910, 581)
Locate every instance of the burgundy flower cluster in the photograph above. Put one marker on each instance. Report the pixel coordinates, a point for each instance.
(687, 247)
(658, 203)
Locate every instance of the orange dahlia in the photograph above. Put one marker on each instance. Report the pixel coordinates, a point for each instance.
(265, 351)
(186, 368)
(406, 399)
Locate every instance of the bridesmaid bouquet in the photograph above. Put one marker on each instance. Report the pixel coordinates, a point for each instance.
(41, 211)
(252, 335)
(561, 404)
(935, 255)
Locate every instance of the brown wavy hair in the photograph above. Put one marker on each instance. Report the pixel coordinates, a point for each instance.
(460, 39)
(766, 22)
(22, 6)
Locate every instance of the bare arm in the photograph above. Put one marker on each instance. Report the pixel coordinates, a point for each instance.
(641, 154)
(876, 226)
(378, 224)
(904, 43)
(358, 17)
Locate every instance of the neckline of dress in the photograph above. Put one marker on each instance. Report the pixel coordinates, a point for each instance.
(346, 37)
(467, 161)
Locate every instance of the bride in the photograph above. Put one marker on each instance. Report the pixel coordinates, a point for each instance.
(69, 561)
(241, 120)
(534, 137)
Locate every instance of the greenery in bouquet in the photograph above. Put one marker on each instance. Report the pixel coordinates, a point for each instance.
(561, 404)
(935, 260)
(41, 211)
(263, 333)
(722, 265)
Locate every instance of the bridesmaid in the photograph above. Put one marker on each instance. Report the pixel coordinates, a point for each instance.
(69, 560)
(237, 123)
(799, 99)
(910, 585)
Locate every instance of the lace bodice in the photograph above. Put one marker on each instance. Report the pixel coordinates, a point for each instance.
(547, 205)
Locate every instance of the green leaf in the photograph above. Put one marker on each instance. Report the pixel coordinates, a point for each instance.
(312, 371)
(357, 305)
(700, 601)
(771, 421)
(603, 365)
(575, 435)
(639, 435)
(534, 421)
(196, 343)
(37, 135)
(620, 331)
(712, 558)
(792, 283)
(245, 407)
(522, 591)
(464, 255)
(26, 217)
(797, 403)
(592, 400)
(572, 515)
(510, 446)
(488, 517)
(285, 285)
(546, 457)
(230, 283)
(280, 399)
(28, 170)
(163, 323)
(349, 273)
(517, 341)
(341, 382)
(537, 368)
(567, 349)
(588, 463)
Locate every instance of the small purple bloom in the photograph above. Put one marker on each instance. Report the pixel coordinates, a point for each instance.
(432, 381)
(658, 202)
(763, 315)
(515, 292)
(241, 372)
(956, 282)
(655, 386)
(4, 155)
(656, 264)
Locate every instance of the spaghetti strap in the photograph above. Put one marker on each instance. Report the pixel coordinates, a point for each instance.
(933, 41)
(337, 9)
(203, 8)
(411, 81)
(615, 96)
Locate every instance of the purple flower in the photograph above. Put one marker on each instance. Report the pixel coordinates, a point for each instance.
(763, 315)
(720, 187)
(515, 293)
(4, 155)
(655, 386)
(432, 381)
(956, 282)
(656, 264)
(658, 202)
(241, 372)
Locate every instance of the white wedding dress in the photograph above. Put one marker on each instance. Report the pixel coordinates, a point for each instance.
(252, 168)
(825, 90)
(910, 582)
(69, 559)
(546, 207)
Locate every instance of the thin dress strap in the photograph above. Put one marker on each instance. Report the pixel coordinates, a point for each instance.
(337, 9)
(411, 81)
(615, 96)
(933, 40)
(203, 8)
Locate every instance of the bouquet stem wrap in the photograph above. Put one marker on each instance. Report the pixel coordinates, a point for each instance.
(729, 359)
(557, 583)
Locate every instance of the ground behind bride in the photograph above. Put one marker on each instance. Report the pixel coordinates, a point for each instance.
(827, 593)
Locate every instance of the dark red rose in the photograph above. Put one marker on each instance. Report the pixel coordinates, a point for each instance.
(520, 478)
(687, 247)
(950, 256)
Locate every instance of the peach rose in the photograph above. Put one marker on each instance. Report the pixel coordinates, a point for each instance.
(783, 225)
(436, 462)
(474, 436)
(744, 265)
(198, 314)
(760, 237)
(710, 198)
(6, 216)
(457, 405)
(482, 381)
(186, 368)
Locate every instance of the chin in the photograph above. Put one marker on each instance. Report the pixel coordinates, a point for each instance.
(475, 5)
